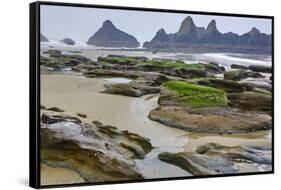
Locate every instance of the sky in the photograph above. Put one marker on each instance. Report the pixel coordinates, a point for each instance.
(79, 23)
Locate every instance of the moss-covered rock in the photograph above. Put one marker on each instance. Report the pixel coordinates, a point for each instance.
(214, 120)
(190, 95)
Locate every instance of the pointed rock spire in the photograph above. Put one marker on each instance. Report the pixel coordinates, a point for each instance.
(161, 35)
(254, 31)
(108, 24)
(187, 26)
(212, 27)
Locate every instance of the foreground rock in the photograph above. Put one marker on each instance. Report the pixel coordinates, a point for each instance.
(109, 36)
(212, 159)
(95, 151)
(202, 109)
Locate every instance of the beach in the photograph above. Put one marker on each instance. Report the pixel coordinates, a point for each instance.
(75, 93)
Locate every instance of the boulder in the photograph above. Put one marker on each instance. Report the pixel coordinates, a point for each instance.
(235, 66)
(68, 41)
(223, 120)
(122, 89)
(260, 68)
(189, 73)
(226, 85)
(131, 89)
(251, 101)
(56, 109)
(81, 115)
(212, 158)
(237, 75)
(49, 118)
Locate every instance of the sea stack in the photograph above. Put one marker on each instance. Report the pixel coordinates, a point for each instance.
(110, 36)
(68, 41)
(43, 38)
(161, 39)
(192, 38)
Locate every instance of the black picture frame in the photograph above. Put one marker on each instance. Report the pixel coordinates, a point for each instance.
(34, 92)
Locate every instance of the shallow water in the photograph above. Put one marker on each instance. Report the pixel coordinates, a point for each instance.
(115, 80)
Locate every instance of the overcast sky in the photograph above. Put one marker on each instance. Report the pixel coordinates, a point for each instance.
(58, 22)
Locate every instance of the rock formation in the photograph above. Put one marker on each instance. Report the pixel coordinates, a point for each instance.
(110, 36)
(68, 41)
(190, 37)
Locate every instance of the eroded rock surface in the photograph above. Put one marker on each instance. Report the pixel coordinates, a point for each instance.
(212, 159)
(97, 152)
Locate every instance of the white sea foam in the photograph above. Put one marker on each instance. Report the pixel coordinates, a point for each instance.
(79, 45)
(237, 59)
(118, 80)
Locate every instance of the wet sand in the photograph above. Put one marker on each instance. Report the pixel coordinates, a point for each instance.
(50, 175)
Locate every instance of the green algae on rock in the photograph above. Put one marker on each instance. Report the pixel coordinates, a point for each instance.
(194, 96)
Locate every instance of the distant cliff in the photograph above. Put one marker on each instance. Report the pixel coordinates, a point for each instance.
(109, 36)
(191, 38)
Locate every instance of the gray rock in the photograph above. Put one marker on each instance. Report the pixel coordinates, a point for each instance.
(109, 36)
(260, 68)
(96, 152)
(212, 158)
(68, 41)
